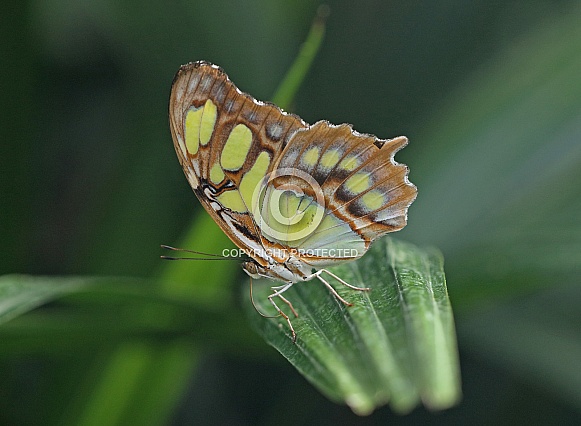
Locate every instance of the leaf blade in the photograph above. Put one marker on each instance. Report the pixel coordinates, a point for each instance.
(395, 344)
(22, 293)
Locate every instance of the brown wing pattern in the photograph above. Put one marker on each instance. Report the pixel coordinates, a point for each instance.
(362, 183)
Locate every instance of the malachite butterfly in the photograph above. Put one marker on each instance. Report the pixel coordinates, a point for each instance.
(294, 197)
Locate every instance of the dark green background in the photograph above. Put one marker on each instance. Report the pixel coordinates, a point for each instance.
(486, 91)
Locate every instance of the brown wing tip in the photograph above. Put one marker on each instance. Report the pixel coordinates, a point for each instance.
(186, 68)
(394, 144)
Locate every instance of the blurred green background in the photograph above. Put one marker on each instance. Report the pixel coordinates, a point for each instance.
(489, 94)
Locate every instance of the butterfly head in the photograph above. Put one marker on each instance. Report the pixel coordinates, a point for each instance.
(253, 269)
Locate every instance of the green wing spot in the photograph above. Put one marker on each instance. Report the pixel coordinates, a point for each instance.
(236, 148)
(208, 122)
(192, 130)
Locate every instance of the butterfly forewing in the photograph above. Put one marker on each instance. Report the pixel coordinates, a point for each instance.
(226, 142)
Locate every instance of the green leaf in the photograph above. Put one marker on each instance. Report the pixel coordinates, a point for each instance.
(396, 344)
(295, 76)
(22, 293)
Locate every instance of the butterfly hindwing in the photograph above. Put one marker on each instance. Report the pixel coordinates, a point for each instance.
(365, 193)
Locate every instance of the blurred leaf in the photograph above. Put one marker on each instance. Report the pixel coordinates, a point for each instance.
(536, 337)
(22, 293)
(98, 314)
(499, 189)
(294, 77)
(396, 344)
(115, 400)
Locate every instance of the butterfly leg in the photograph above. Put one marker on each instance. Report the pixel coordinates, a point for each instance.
(278, 293)
(330, 287)
(332, 290)
(345, 283)
(289, 304)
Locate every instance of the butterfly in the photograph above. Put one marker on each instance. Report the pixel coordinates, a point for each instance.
(294, 197)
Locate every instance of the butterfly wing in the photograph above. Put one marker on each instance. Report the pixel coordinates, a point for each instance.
(322, 188)
(226, 142)
(350, 192)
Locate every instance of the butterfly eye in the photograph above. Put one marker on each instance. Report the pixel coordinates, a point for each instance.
(250, 268)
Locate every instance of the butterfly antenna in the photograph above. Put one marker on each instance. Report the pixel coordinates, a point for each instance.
(210, 256)
(191, 251)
